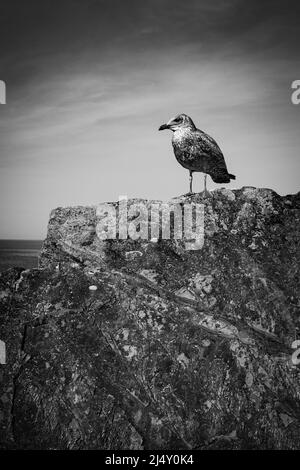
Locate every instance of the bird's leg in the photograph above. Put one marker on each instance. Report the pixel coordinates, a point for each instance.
(191, 182)
(205, 193)
(191, 185)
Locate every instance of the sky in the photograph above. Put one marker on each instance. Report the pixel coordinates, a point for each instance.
(90, 81)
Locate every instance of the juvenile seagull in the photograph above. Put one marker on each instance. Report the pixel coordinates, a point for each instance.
(197, 151)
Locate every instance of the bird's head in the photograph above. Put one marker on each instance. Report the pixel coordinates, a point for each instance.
(181, 121)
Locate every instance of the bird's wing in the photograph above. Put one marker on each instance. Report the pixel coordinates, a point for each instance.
(209, 146)
(216, 166)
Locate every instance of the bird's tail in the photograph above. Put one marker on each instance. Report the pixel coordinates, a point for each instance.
(222, 177)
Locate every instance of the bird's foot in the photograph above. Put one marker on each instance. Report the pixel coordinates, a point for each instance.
(190, 193)
(205, 194)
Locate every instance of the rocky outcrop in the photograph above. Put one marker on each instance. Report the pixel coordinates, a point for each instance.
(146, 344)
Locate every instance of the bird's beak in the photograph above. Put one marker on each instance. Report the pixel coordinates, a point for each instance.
(163, 127)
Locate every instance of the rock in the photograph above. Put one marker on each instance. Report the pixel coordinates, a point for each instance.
(177, 348)
(286, 419)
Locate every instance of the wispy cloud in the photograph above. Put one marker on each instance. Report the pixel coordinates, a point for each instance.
(90, 82)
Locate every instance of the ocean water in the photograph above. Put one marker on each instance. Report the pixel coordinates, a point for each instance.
(20, 253)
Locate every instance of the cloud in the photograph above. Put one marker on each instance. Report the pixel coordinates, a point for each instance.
(90, 82)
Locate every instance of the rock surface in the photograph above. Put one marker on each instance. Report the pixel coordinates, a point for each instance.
(143, 344)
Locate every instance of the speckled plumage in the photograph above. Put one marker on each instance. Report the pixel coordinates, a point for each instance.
(197, 151)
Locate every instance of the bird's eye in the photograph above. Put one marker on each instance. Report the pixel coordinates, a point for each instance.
(177, 119)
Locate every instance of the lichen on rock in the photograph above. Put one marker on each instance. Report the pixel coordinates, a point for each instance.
(132, 344)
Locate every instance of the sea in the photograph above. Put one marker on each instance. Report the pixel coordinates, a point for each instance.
(19, 253)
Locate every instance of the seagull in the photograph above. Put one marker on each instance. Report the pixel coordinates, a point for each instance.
(197, 151)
